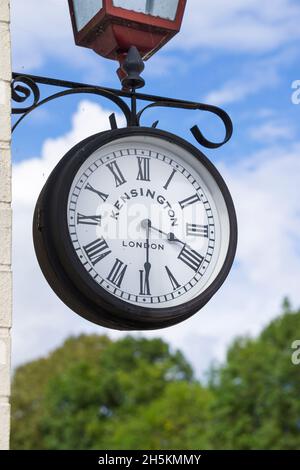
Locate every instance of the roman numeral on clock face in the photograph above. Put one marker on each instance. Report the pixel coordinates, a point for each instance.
(119, 178)
(169, 179)
(144, 283)
(190, 200)
(103, 196)
(144, 169)
(174, 282)
(191, 258)
(97, 250)
(89, 219)
(117, 273)
(195, 230)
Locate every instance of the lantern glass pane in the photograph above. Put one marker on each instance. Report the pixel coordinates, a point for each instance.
(166, 9)
(85, 10)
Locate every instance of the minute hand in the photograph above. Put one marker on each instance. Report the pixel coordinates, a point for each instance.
(147, 265)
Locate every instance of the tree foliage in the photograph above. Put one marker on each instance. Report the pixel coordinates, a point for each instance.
(257, 391)
(134, 393)
(85, 393)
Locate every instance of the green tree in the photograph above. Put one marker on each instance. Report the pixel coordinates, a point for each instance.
(87, 393)
(178, 419)
(95, 393)
(31, 381)
(257, 391)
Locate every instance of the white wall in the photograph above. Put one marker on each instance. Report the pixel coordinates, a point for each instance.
(5, 224)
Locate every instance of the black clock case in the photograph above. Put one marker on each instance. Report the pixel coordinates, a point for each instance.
(64, 271)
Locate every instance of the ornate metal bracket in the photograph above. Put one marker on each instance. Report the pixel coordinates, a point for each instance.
(26, 87)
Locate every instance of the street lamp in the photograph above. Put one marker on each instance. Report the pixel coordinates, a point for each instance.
(111, 27)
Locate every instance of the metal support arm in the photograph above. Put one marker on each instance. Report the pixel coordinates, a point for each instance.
(26, 87)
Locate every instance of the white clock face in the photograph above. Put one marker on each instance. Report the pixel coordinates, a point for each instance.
(148, 222)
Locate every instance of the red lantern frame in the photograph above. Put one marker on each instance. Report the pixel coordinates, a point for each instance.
(112, 31)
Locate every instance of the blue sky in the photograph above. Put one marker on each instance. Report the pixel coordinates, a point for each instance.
(242, 55)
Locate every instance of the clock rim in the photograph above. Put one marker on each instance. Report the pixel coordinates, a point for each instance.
(54, 204)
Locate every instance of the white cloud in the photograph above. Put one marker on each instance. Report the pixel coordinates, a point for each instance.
(254, 76)
(265, 190)
(271, 131)
(89, 119)
(239, 89)
(252, 26)
(39, 30)
(42, 32)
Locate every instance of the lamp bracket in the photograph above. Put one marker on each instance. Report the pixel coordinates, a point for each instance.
(27, 87)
